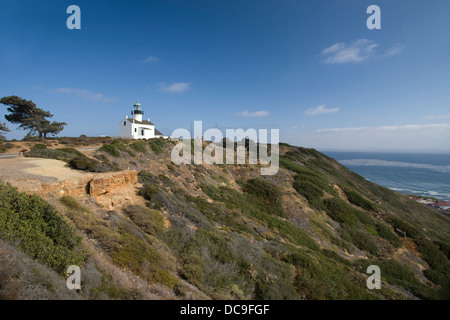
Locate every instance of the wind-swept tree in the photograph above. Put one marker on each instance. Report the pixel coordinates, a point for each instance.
(29, 117)
(51, 128)
(3, 128)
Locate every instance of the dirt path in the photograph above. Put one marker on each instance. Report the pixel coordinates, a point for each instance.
(29, 174)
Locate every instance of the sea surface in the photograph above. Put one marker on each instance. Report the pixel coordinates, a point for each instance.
(420, 174)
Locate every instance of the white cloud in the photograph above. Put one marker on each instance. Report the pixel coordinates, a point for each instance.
(357, 51)
(438, 117)
(150, 59)
(320, 110)
(256, 114)
(395, 49)
(176, 87)
(402, 138)
(388, 128)
(84, 94)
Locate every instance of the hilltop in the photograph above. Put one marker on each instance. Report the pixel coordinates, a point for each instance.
(143, 228)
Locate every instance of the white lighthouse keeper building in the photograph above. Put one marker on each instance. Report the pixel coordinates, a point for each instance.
(136, 128)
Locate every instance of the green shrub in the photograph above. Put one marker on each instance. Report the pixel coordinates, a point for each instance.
(71, 150)
(49, 154)
(308, 182)
(444, 247)
(343, 244)
(263, 190)
(359, 239)
(84, 163)
(371, 230)
(150, 221)
(311, 192)
(319, 181)
(397, 274)
(37, 229)
(8, 145)
(267, 288)
(290, 165)
(434, 276)
(191, 268)
(110, 149)
(39, 146)
(298, 259)
(283, 144)
(148, 190)
(364, 218)
(72, 204)
(385, 232)
(401, 224)
(157, 145)
(435, 258)
(253, 207)
(335, 256)
(341, 211)
(139, 146)
(101, 157)
(115, 147)
(325, 278)
(141, 258)
(358, 200)
(219, 215)
(112, 291)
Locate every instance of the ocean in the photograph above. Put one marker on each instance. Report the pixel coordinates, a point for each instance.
(420, 174)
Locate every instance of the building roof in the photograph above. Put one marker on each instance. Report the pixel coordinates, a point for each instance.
(158, 133)
(140, 122)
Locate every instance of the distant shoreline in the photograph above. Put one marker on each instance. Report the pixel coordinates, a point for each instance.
(431, 202)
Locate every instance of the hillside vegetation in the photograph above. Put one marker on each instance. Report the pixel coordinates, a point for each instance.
(224, 232)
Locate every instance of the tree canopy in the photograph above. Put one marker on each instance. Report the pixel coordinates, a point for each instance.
(30, 117)
(3, 128)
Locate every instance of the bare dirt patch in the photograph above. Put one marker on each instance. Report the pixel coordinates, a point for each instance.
(36, 174)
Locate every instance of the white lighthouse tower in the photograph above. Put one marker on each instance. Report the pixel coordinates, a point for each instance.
(137, 111)
(136, 128)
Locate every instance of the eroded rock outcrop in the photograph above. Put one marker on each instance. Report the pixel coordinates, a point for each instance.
(110, 182)
(114, 189)
(70, 187)
(109, 190)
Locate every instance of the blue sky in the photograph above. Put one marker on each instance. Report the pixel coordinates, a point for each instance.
(309, 68)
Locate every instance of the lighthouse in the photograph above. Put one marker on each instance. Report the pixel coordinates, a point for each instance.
(137, 111)
(136, 128)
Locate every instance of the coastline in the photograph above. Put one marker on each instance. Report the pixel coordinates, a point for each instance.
(440, 205)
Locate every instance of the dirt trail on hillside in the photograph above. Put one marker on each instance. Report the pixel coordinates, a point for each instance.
(29, 174)
(48, 176)
(47, 170)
